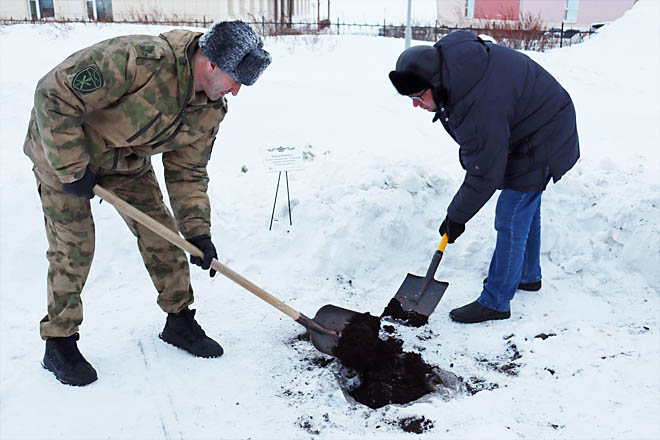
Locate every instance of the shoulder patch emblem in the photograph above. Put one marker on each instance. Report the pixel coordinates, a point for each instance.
(87, 80)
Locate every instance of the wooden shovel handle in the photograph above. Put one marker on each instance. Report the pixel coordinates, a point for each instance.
(185, 245)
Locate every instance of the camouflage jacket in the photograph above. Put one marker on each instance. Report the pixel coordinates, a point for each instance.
(113, 105)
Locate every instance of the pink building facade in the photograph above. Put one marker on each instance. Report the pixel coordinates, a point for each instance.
(496, 10)
(573, 13)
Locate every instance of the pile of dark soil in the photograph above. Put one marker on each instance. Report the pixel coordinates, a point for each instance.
(387, 373)
(407, 317)
(416, 425)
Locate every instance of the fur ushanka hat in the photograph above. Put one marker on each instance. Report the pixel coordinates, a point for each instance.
(237, 49)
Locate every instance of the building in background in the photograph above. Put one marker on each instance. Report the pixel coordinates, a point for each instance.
(572, 13)
(159, 10)
(578, 14)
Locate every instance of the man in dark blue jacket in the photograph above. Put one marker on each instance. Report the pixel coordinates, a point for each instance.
(516, 129)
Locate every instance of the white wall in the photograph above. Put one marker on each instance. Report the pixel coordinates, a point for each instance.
(424, 12)
(451, 12)
(71, 9)
(201, 9)
(169, 9)
(16, 9)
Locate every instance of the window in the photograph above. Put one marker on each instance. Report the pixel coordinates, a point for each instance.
(33, 10)
(571, 11)
(104, 10)
(469, 8)
(90, 10)
(46, 9)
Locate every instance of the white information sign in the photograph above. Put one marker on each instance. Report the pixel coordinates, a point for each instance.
(278, 159)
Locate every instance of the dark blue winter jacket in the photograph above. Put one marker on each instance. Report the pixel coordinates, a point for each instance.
(513, 121)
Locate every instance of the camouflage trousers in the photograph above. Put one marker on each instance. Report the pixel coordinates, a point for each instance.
(70, 232)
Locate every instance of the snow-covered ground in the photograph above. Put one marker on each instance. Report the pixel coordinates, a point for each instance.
(365, 213)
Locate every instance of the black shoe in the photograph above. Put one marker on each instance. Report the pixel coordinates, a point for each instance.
(182, 330)
(475, 312)
(64, 360)
(530, 287)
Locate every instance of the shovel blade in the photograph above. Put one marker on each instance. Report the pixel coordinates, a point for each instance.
(412, 298)
(331, 318)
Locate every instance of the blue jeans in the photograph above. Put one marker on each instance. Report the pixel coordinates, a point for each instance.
(518, 250)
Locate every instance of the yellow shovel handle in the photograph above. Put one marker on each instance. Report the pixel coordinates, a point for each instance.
(443, 243)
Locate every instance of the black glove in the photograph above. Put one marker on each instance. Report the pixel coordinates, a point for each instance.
(82, 187)
(204, 243)
(452, 229)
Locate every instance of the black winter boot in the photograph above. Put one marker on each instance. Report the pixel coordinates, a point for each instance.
(181, 330)
(475, 312)
(64, 360)
(530, 287)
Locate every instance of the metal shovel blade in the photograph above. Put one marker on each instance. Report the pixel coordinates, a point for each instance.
(332, 318)
(413, 298)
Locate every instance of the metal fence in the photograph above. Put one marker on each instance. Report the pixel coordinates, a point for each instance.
(508, 35)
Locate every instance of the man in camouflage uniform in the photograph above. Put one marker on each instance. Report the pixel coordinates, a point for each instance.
(98, 117)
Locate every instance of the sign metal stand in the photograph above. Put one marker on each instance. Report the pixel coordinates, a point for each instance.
(280, 159)
(288, 199)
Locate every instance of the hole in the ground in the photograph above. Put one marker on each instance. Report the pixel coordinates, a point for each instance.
(378, 372)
